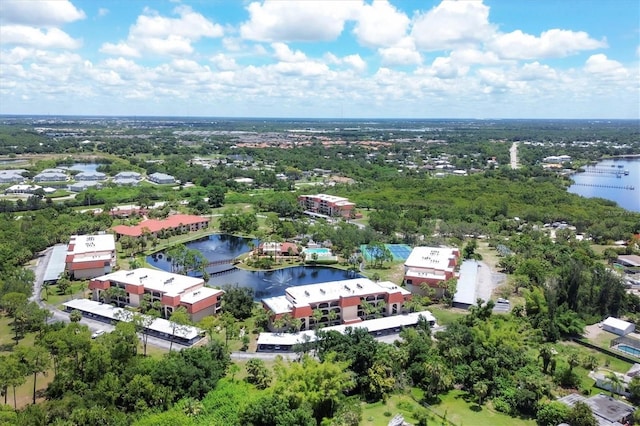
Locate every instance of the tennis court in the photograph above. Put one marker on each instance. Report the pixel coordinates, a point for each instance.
(398, 251)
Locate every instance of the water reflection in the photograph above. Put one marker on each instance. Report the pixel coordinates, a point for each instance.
(264, 283)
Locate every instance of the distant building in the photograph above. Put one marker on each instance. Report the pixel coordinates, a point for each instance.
(90, 176)
(12, 176)
(84, 185)
(161, 178)
(179, 222)
(430, 266)
(128, 175)
(557, 159)
(340, 302)
(171, 290)
(244, 180)
(89, 256)
(51, 175)
(22, 189)
(278, 249)
(329, 205)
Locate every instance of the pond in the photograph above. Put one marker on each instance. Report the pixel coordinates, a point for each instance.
(85, 167)
(219, 247)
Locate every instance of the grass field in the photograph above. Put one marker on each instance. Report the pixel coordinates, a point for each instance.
(458, 411)
(24, 393)
(452, 410)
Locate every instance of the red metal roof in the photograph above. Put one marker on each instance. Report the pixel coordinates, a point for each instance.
(154, 225)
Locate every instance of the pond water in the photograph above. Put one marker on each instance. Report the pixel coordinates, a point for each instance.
(85, 167)
(218, 247)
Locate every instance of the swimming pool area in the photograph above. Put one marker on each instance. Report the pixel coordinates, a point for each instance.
(628, 349)
(398, 251)
(318, 251)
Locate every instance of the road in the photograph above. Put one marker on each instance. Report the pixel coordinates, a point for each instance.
(513, 152)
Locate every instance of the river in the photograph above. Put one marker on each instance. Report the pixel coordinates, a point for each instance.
(607, 180)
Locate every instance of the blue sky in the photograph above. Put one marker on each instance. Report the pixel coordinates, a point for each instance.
(327, 58)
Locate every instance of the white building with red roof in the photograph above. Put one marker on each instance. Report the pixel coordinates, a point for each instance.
(430, 266)
(329, 205)
(179, 222)
(89, 256)
(339, 302)
(171, 290)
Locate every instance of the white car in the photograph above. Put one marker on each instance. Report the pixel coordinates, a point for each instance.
(97, 334)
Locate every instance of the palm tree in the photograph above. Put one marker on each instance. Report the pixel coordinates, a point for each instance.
(573, 361)
(333, 315)
(317, 316)
(546, 354)
(614, 382)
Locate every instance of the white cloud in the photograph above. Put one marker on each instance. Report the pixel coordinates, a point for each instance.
(403, 53)
(536, 71)
(356, 62)
(42, 13)
(50, 38)
(286, 21)
(602, 66)
(103, 12)
(120, 49)
(285, 54)
(380, 25)
(553, 43)
(224, 62)
(157, 34)
(452, 24)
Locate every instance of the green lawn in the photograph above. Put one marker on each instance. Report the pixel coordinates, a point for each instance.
(462, 413)
(445, 315)
(452, 407)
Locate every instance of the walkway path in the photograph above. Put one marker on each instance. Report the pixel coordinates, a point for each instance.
(513, 151)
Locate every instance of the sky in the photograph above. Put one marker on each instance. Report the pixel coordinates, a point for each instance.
(322, 59)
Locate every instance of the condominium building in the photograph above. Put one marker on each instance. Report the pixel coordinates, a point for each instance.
(430, 266)
(328, 205)
(171, 290)
(339, 302)
(178, 222)
(90, 256)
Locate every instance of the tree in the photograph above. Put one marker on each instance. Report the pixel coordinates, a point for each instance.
(215, 196)
(75, 316)
(546, 353)
(177, 321)
(35, 360)
(581, 415)
(552, 413)
(320, 384)
(573, 360)
(238, 301)
(142, 324)
(14, 304)
(614, 382)
(381, 381)
(437, 377)
(481, 389)
(11, 374)
(634, 389)
(228, 322)
(258, 374)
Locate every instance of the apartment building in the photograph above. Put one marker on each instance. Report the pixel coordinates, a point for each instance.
(339, 302)
(171, 290)
(89, 256)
